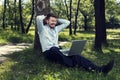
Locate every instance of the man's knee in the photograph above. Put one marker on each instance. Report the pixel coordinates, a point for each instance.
(54, 48)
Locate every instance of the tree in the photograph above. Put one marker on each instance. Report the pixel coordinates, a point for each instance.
(87, 11)
(70, 18)
(76, 17)
(103, 20)
(67, 12)
(9, 14)
(112, 14)
(15, 11)
(42, 7)
(100, 33)
(4, 18)
(21, 18)
(32, 15)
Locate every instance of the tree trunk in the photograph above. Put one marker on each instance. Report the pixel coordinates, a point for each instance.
(85, 23)
(67, 12)
(85, 20)
(42, 7)
(4, 18)
(15, 13)
(9, 11)
(32, 15)
(100, 27)
(70, 19)
(76, 17)
(104, 35)
(21, 19)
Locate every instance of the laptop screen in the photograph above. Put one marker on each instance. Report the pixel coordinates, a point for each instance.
(77, 47)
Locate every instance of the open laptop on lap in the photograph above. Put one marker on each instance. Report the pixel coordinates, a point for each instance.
(76, 48)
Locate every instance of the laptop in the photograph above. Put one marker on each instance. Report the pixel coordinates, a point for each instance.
(76, 48)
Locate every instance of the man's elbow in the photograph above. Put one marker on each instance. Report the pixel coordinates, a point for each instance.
(40, 17)
(68, 22)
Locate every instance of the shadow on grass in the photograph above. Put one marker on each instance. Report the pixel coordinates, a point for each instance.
(110, 52)
(26, 65)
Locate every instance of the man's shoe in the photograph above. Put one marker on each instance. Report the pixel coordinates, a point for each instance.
(106, 68)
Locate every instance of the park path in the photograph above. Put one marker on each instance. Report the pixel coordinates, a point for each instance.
(10, 48)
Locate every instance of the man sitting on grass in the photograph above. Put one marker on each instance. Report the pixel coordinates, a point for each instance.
(48, 33)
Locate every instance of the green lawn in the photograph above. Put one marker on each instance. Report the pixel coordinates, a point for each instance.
(25, 65)
(9, 36)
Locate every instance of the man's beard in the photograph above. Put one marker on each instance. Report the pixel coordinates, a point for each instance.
(52, 25)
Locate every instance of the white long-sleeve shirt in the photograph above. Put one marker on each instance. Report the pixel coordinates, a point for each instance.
(49, 36)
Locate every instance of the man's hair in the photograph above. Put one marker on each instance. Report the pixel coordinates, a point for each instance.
(48, 16)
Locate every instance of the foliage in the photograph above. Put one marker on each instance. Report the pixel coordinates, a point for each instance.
(112, 16)
(58, 8)
(86, 9)
(1, 9)
(26, 65)
(12, 14)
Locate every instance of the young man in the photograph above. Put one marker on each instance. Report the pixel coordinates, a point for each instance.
(48, 33)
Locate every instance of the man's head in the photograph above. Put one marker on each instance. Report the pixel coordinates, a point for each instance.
(51, 20)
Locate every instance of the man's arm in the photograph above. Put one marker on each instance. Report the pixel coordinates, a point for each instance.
(63, 24)
(39, 20)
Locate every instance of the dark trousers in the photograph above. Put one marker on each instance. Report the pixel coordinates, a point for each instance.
(55, 55)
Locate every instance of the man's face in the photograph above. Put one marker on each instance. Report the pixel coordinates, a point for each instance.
(52, 21)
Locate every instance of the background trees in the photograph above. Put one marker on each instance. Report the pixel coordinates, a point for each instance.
(18, 15)
(21, 18)
(63, 8)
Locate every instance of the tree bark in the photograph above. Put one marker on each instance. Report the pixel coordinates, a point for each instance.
(85, 23)
(4, 18)
(21, 19)
(32, 15)
(42, 7)
(85, 26)
(104, 35)
(70, 19)
(100, 27)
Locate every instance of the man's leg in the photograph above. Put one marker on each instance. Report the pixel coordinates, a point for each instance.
(84, 63)
(70, 61)
(89, 66)
(55, 55)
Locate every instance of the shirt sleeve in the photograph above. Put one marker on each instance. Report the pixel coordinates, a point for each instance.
(39, 21)
(63, 24)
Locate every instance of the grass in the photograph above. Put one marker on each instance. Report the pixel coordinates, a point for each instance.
(26, 65)
(63, 36)
(9, 36)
